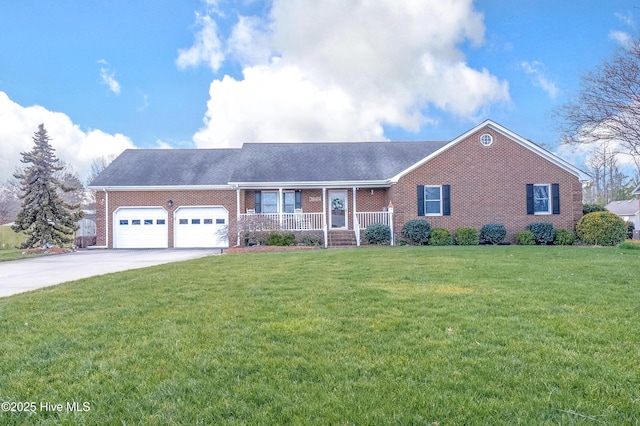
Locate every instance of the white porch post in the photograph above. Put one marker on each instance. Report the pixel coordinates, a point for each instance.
(280, 206)
(324, 217)
(390, 209)
(356, 225)
(238, 214)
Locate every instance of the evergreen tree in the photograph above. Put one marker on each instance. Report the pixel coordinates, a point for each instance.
(44, 217)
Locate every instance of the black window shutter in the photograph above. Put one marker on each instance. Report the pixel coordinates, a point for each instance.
(420, 200)
(555, 198)
(298, 199)
(258, 202)
(530, 198)
(446, 200)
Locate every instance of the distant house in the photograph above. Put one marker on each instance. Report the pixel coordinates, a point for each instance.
(212, 197)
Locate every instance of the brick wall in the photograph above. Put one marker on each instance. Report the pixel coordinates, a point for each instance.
(488, 185)
(226, 198)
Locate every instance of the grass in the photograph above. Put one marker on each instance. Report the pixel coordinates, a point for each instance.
(437, 335)
(9, 240)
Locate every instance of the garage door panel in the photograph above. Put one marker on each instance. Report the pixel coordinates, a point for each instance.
(201, 227)
(140, 227)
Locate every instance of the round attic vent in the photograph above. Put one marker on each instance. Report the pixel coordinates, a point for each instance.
(486, 139)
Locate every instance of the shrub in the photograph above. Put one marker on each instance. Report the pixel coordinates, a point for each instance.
(440, 237)
(543, 232)
(278, 239)
(590, 208)
(416, 232)
(310, 240)
(467, 237)
(630, 228)
(564, 237)
(493, 233)
(602, 228)
(629, 245)
(526, 238)
(377, 233)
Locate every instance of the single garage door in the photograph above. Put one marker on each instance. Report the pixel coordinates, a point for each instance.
(140, 227)
(201, 227)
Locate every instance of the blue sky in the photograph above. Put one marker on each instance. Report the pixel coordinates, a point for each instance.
(104, 76)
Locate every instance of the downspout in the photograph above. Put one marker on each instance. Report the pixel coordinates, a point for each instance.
(356, 223)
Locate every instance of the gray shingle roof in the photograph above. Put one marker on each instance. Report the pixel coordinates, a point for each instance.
(626, 207)
(323, 162)
(174, 167)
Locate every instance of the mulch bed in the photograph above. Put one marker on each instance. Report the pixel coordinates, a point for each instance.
(52, 250)
(263, 249)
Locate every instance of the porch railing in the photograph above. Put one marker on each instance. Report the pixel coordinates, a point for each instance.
(281, 221)
(368, 218)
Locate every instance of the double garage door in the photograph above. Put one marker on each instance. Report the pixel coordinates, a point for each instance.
(147, 227)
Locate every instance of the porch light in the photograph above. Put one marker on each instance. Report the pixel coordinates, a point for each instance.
(169, 203)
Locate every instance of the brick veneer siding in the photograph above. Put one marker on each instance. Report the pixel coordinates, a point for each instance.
(226, 198)
(488, 185)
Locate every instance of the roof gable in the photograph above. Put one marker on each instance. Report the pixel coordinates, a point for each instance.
(511, 135)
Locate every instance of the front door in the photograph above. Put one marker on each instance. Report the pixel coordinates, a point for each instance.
(338, 210)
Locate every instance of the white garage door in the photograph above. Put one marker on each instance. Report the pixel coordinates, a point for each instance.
(201, 227)
(140, 227)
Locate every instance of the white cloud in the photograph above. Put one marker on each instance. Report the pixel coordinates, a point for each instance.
(108, 77)
(626, 19)
(622, 38)
(207, 47)
(341, 70)
(536, 71)
(72, 145)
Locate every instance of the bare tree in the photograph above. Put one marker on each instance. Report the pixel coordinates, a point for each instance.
(98, 165)
(607, 107)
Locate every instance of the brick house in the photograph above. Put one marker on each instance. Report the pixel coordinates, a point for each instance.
(216, 197)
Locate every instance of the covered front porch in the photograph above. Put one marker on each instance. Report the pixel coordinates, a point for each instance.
(321, 211)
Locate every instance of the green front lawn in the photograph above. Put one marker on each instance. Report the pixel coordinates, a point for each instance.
(409, 335)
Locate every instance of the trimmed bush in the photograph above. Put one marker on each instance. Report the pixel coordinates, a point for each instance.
(467, 236)
(492, 233)
(278, 239)
(377, 233)
(526, 238)
(310, 240)
(564, 237)
(602, 228)
(440, 237)
(543, 232)
(630, 228)
(416, 232)
(590, 208)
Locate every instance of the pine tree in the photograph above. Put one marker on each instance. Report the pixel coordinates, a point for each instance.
(44, 217)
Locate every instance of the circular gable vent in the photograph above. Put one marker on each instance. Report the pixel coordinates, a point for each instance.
(486, 139)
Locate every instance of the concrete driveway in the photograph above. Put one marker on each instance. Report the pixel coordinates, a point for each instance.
(23, 275)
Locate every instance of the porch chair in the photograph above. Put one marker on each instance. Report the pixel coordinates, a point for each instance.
(301, 222)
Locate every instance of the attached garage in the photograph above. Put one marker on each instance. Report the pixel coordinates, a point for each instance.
(140, 227)
(201, 227)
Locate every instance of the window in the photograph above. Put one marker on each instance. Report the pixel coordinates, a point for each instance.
(219, 221)
(184, 221)
(124, 222)
(160, 222)
(195, 221)
(148, 221)
(543, 198)
(434, 200)
(486, 139)
(135, 222)
(269, 202)
(208, 221)
(289, 202)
